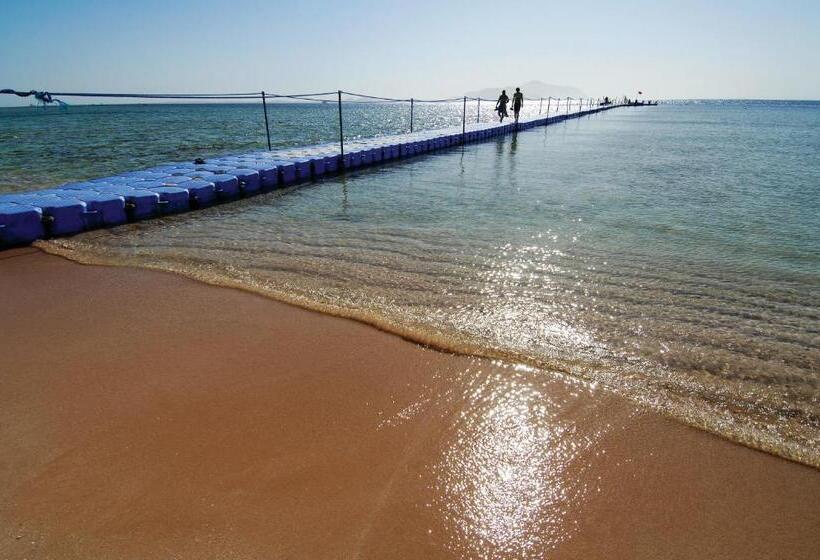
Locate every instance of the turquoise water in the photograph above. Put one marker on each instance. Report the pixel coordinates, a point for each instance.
(669, 253)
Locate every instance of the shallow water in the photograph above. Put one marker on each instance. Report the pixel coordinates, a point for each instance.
(668, 254)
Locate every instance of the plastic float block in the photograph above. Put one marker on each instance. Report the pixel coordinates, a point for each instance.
(226, 186)
(268, 173)
(212, 167)
(200, 174)
(118, 180)
(61, 216)
(147, 175)
(249, 182)
(287, 172)
(201, 193)
(332, 163)
(366, 156)
(406, 149)
(103, 180)
(139, 204)
(177, 171)
(317, 166)
(20, 224)
(103, 209)
(84, 186)
(165, 167)
(171, 199)
(352, 160)
(302, 168)
(174, 180)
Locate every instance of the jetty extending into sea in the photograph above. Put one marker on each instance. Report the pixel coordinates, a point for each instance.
(185, 186)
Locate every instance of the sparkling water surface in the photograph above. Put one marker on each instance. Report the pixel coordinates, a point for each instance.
(666, 253)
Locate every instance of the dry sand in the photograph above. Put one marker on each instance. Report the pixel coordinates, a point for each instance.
(145, 415)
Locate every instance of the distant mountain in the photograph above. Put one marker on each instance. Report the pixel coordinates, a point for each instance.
(530, 89)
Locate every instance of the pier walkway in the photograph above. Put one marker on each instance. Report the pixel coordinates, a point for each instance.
(184, 186)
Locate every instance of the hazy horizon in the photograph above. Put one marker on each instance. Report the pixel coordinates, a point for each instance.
(103, 101)
(737, 50)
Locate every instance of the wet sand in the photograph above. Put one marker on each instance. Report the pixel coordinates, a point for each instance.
(145, 415)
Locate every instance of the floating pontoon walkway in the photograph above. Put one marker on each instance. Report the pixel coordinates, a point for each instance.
(179, 187)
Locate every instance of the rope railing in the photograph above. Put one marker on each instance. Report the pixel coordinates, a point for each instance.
(375, 97)
(245, 95)
(46, 98)
(40, 94)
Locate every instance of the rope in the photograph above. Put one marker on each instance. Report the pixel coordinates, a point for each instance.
(43, 97)
(256, 95)
(47, 97)
(415, 100)
(300, 95)
(451, 100)
(362, 95)
(18, 93)
(299, 98)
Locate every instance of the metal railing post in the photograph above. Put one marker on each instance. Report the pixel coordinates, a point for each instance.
(267, 127)
(464, 120)
(478, 112)
(548, 105)
(411, 114)
(567, 105)
(341, 133)
(540, 105)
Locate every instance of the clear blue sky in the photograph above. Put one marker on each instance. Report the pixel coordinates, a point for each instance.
(695, 49)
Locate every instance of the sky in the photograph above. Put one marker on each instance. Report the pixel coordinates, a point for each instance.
(696, 49)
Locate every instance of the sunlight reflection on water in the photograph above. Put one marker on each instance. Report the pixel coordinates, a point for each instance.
(503, 482)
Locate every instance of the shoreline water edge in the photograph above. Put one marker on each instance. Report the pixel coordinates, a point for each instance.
(803, 451)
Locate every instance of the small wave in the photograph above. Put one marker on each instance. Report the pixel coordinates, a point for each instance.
(699, 401)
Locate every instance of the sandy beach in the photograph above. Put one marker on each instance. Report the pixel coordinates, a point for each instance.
(145, 415)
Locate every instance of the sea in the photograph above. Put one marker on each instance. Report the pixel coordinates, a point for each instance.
(668, 254)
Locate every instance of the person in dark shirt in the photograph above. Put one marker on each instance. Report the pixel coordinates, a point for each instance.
(518, 102)
(501, 105)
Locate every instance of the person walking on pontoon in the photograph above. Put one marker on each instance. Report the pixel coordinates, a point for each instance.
(518, 102)
(501, 105)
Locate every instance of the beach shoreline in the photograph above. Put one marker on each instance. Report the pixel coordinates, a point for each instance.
(145, 414)
(749, 429)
